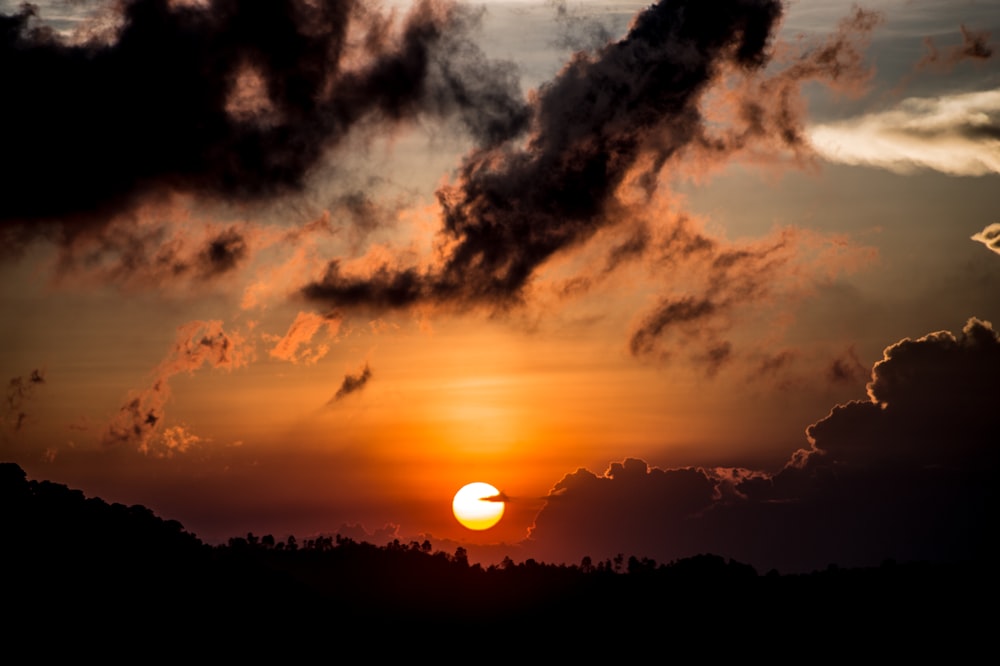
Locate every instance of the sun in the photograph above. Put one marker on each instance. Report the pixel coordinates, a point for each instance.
(473, 510)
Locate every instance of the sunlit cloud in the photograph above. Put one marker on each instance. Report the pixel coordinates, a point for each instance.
(990, 237)
(295, 346)
(175, 440)
(138, 421)
(954, 134)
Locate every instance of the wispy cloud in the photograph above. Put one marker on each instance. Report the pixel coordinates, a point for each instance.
(138, 421)
(295, 347)
(975, 46)
(955, 134)
(20, 390)
(352, 384)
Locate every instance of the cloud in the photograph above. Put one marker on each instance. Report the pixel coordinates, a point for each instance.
(515, 205)
(602, 132)
(930, 402)
(175, 440)
(772, 364)
(379, 536)
(222, 253)
(631, 508)
(724, 277)
(955, 134)
(990, 237)
(846, 369)
(576, 31)
(761, 116)
(198, 343)
(222, 100)
(260, 96)
(707, 285)
(352, 384)
(142, 250)
(20, 390)
(906, 474)
(301, 333)
(975, 46)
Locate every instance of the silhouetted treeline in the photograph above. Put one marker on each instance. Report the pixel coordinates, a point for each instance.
(101, 576)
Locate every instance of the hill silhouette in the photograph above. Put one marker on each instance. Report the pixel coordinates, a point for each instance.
(105, 577)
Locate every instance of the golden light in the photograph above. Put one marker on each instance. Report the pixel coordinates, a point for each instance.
(473, 510)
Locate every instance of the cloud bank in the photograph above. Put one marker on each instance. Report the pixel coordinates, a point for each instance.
(905, 474)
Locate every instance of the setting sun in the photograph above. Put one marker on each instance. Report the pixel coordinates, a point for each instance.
(474, 510)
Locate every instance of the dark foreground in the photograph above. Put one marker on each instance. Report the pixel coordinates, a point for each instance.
(82, 577)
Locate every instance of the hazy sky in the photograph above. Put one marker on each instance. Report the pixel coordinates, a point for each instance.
(319, 264)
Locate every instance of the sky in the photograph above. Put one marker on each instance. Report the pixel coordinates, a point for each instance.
(675, 278)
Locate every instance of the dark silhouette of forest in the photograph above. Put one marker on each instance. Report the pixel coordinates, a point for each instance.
(84, 576)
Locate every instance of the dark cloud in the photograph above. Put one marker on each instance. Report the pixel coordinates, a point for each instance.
(602, 132)
(137, 253)
(930, 402)
(20, 390)
(718, 355)
(353, 383)
(846, 369)
(766, 110)
(629, 509)
(515, 206)
(975, 46)
(224, 99)
(577, 31)
(774, 363)
(358, 532)
(222, 253)
(907, 474)
(633, 246)
(728, 278)
(668, 313)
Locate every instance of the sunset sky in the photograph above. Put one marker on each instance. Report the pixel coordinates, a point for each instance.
(311, 266)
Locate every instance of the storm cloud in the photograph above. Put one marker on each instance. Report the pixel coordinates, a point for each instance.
(221, 99)
(602, 133)
(632, 104)
(907, 474)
